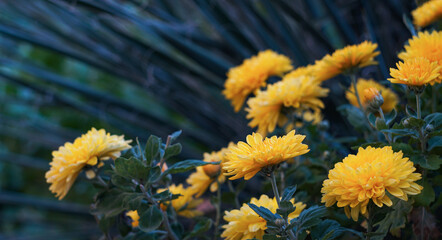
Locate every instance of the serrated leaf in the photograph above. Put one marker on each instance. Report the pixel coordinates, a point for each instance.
(331, 229)
(431, 162)
(394, 219)
(415, 122)
(288, 193)
(435, 119)
(401, 132)
(152, 149)
(263, 212)
(427, 195)
(434, 142)
(131, 168)
(151, 219)
(308, 218)
(185, 166)
(121, 182)
(285, 209)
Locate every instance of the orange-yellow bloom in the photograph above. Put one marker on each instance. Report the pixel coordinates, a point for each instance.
(244, 223)
(208, 175)
(346, 59)
(369, 175)
(425, 45)
(247, 159)
(427, 13)
(308, 70)
(88, 150)
(253, 74)
(185, 205)
(415, 72)
(296, 93)
(390, 98)
(134, 217)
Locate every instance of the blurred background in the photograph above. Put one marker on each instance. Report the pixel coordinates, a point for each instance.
(141, 67)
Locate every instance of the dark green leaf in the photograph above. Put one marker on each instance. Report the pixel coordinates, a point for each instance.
(175, 135)
(152, 149)
(202, 226)
(172, 150)
(431, 162)
(151, 219)
(106, 223)
(121, 182)
(270, 237)
(331, 229)
(131, 168)
(288, 193)
(389, 117)
(308, 218)
(435, 119)
(380, 124)
(263, 212)
(434, 142)
(185, 166)
(154, 175)
(415, 123)
(394, 219)
(427, 196)
(401, 132)
(285, 209)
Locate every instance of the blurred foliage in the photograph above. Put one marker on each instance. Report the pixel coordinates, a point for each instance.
(143, 67)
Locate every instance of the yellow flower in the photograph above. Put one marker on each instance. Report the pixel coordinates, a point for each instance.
(135, 218)
(426, 45)
(246, 224)
(208, 175)
(247, 159)
(369, 175)
(345, 60)
(427, 13)
(300, 93)
(185, 205)
(87, 150)
(390, 98)
(370, 94)
(252, 74)
(415, 72)
(308, 70)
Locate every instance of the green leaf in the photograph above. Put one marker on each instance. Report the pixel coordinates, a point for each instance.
(354, 116)
(288, 193)
(270, 237)
(427, 196)
(152, 149)
(162, 196)
(431, 162)
(401, 132)
(285, 209)
(106, 223)
(154, 175)
(415, 122)
(396, 218)
(263, 212)
(175, 135)
(380, 124)
(308, 218)
(435, 119)
(405, 148)
(151, 219)
(121, 182)
(389, 117)
(131, 168)
(172, 150)
(202, 226)
(434, 142)
(185, 166)
(331, 229)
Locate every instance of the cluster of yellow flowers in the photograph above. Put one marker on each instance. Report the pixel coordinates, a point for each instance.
(422, 61)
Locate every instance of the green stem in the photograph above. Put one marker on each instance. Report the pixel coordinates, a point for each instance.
(218, 210)
(418, 106)
(387, 136)
(434, 98)
(369, 221)
(278, 200)
(422, 137)
(167, 145)
(229, 183)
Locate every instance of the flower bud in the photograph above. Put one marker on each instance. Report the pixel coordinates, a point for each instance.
(279, 222)
(429, 128)
(164, 168)
(373, 98)
(212, 170)
(90, 174)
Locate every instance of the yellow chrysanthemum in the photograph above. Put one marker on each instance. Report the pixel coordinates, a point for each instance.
(427, 13)
(252, 74)
(390, 98)
(426, 45)
(346, 59)
(135, 218)
(247, 159)
(300, 93)
(208, 175)
(369, 175)
(89, 149)
(308, 70)
(415, 72)
(185, 205)
(244, 223)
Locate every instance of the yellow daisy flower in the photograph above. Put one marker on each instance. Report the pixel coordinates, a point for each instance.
(244, 223)
(185, 205)
(301, 93)
(390, 98)
(345, 60)
(87, 150)
(208, 175)
(426, 45)
(135, 218)
(247, 159)
(427, 13)
(415, 72)
(252, 74)
(369, 175)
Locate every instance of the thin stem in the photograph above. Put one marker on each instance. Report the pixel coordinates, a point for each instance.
(229, 183)
(278, 200)
(167, 145)
(418, 105)
(218, 210)
(369, 221)
(165, 217)
(434, 98)
(387, 136)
